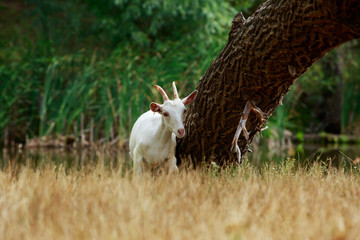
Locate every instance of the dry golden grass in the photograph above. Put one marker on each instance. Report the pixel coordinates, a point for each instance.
(232, 204)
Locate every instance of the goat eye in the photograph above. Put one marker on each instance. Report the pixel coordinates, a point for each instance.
(166, 114)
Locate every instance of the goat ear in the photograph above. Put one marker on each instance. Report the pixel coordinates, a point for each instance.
(190, 98)
(155, 107)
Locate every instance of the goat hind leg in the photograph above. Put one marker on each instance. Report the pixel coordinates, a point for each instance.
(172, 165)
(137, 161)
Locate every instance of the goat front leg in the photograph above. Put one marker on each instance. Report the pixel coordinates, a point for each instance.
(172, 165)
(137, 160)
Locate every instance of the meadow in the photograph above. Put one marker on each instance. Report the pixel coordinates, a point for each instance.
(100, 202)
(79, 73)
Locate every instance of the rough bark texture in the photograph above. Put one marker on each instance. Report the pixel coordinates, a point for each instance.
(264, 56)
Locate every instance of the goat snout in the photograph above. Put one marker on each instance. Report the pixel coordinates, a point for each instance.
(181, 132)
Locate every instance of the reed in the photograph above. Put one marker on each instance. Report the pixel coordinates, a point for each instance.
(111, 92)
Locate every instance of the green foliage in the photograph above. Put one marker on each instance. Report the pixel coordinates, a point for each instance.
(98, 61)
(65, 64)
(149, 23)
(309, 106)
(351, 89)
(246, 7)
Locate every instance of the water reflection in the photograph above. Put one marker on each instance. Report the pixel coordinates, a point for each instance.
(68, 158)
(112, 157)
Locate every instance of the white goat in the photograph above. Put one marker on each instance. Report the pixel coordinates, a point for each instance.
(153, 136)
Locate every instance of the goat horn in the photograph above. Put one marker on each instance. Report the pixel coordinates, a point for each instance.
(176, 95)
(163, 93)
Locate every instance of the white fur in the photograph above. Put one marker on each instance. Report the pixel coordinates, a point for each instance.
(153, 137)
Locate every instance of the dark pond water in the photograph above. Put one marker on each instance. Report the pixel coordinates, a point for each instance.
(307, 153)
(304, 153)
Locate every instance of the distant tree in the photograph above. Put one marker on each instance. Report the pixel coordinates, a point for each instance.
(264, 56)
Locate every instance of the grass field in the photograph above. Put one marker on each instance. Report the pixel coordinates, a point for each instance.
(275, 202)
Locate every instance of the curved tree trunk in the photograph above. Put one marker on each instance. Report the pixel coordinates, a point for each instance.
(264, 56)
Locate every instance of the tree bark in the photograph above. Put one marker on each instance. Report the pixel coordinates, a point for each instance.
(264, 56)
